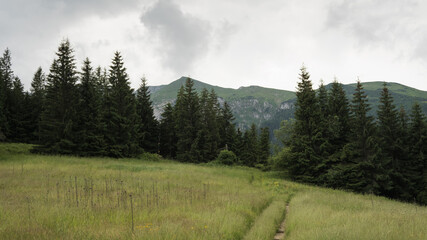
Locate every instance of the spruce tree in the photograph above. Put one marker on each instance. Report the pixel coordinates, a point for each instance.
(120, 117)
(168, 133)
(403, 130)
(6, 85)
(304, 146)
(58, 123)
(362, 166)
(37, 97)
(338, 108)
(148, 132)
(250, 153)
(90, 127)
(324, 135)
(245, 150)
(415, 170)
(390, 142)
(187, 115)
(227, 128)
(264, 146)
(208, 136)
(203, 138)
(18, 115)
(238, 146)
(339, 131)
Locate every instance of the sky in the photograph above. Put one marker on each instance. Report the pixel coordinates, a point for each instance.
(225, 43)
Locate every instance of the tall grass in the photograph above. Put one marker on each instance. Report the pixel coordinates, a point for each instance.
(328, 214)
(62, 197)
(59, 197)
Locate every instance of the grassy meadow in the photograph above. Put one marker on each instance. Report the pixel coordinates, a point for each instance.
(329, 214)
(63, 197)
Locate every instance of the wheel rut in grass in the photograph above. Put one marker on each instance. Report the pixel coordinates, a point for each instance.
(280, 234)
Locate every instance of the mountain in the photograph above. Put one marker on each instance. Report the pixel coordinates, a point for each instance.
(251, 104)
(268, 106)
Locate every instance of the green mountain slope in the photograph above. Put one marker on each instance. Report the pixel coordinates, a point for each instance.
(249, 104)
(268, 107)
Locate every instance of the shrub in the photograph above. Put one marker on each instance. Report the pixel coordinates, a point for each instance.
(280, 160)
(226, 157)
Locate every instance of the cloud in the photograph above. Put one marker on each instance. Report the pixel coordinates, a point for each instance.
(183, 38)
(373, 22)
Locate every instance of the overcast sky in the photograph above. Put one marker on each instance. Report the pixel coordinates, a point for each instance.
(226, 43)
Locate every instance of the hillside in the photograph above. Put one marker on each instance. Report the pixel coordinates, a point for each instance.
(65, 197)
(249, 104)
(268, 106)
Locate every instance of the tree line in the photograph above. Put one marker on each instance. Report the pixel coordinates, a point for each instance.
(335, 143)
(95, 112)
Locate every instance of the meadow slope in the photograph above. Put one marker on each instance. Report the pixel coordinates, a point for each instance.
(62, 197)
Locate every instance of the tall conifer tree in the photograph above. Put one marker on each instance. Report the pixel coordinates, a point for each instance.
(91, 140)
(148, 129)
(187, 115)
(37, 96)
(264, 145)
(58, 122)
(391, 142)
(121, 117)
(324, 134)
(305, 145)
(6, 85)
(363, 168)
(168, 133)
(415, 170)
(227, 128)
(339, 131)
(18, 113)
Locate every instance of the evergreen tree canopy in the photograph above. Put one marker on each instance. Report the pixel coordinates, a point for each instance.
(91, 141)
(305, 140)
(37, 96)
(363, 166)
(121, 115)
(227, 128)
(167, 132)
(148, 126)
(416, 165)
(187, 115)
(6, 85)
(391, 143)
(58, 122)
(338, 110)
(264, 145)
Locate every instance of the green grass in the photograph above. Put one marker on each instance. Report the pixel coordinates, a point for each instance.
(266, 225)
(171, 200)
(328, 214)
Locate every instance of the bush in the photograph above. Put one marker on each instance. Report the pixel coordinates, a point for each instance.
(280, 160)
(226, 157)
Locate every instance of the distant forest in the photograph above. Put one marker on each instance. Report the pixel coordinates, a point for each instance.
(94, 112)
(332, 141)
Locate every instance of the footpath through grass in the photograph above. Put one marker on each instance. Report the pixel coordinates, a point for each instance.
(61, 197)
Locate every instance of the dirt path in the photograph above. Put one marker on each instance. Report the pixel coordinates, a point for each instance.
(280, 234)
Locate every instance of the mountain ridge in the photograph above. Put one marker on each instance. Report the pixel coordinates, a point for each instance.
(269, 106)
